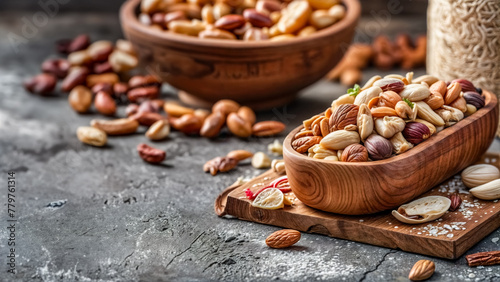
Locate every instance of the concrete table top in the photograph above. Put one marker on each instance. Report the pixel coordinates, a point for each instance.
(89, 214)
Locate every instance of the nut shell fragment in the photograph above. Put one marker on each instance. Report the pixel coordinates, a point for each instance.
(422, 210)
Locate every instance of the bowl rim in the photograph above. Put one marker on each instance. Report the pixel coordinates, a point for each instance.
(491, 102)
(128, 18)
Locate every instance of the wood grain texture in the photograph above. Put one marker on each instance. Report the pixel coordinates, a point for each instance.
(245, 71)
(380, 229)
(369, 187)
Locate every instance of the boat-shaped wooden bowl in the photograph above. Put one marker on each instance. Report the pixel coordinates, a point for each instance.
(369, 187)
(259, 74)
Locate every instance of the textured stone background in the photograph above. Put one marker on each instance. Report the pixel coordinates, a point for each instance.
(127, 220)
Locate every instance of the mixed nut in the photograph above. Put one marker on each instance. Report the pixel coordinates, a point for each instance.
(249, 20)
(387, 116)
(95, 74)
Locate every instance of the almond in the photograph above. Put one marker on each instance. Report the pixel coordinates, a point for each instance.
(422, 270)
(283, 238)
(343, 116)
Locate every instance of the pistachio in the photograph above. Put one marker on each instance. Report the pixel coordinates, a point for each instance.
(378, 147)
(390, 84)
(364, 122)
(416, 132)
(480, 174)
(366, 95)
(422, 210)
(488, 191)
(340, 139)
(388, 126)
(355, 153)
(415, 92)
(399, 144)
(450, 115)
(343, 116)
(426, 113)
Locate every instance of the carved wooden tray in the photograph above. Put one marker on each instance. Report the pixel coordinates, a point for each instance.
(449, 237)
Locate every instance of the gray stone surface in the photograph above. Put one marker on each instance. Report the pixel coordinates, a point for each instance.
(126, 220)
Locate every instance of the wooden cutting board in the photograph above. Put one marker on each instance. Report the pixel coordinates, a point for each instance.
(448, 237)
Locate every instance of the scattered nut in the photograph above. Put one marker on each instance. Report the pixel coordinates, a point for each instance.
(159, 130)
(91, 136)
(150, 154)
(121, 126)
(283, 238)
(422, 270)
(261, 160)
(220, 164)
(275, 148)
(239, 155)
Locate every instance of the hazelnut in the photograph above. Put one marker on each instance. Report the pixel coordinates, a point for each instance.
(473, 98)
(416, 132)
(355, 153)
(378, 147)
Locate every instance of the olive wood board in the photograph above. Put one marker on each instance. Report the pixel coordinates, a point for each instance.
(380, 229)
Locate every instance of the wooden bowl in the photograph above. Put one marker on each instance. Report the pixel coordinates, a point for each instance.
(369, 187)
(260, 74)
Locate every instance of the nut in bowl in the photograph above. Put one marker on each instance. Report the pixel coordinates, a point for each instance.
(261, 74)
(388, 179)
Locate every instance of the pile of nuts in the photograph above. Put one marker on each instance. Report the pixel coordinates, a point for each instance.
(386, 116)
(96, 74)
(383, 54)
(250, 20)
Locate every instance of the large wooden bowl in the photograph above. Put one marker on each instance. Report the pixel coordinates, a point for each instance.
(369, 187)
(260, 74)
